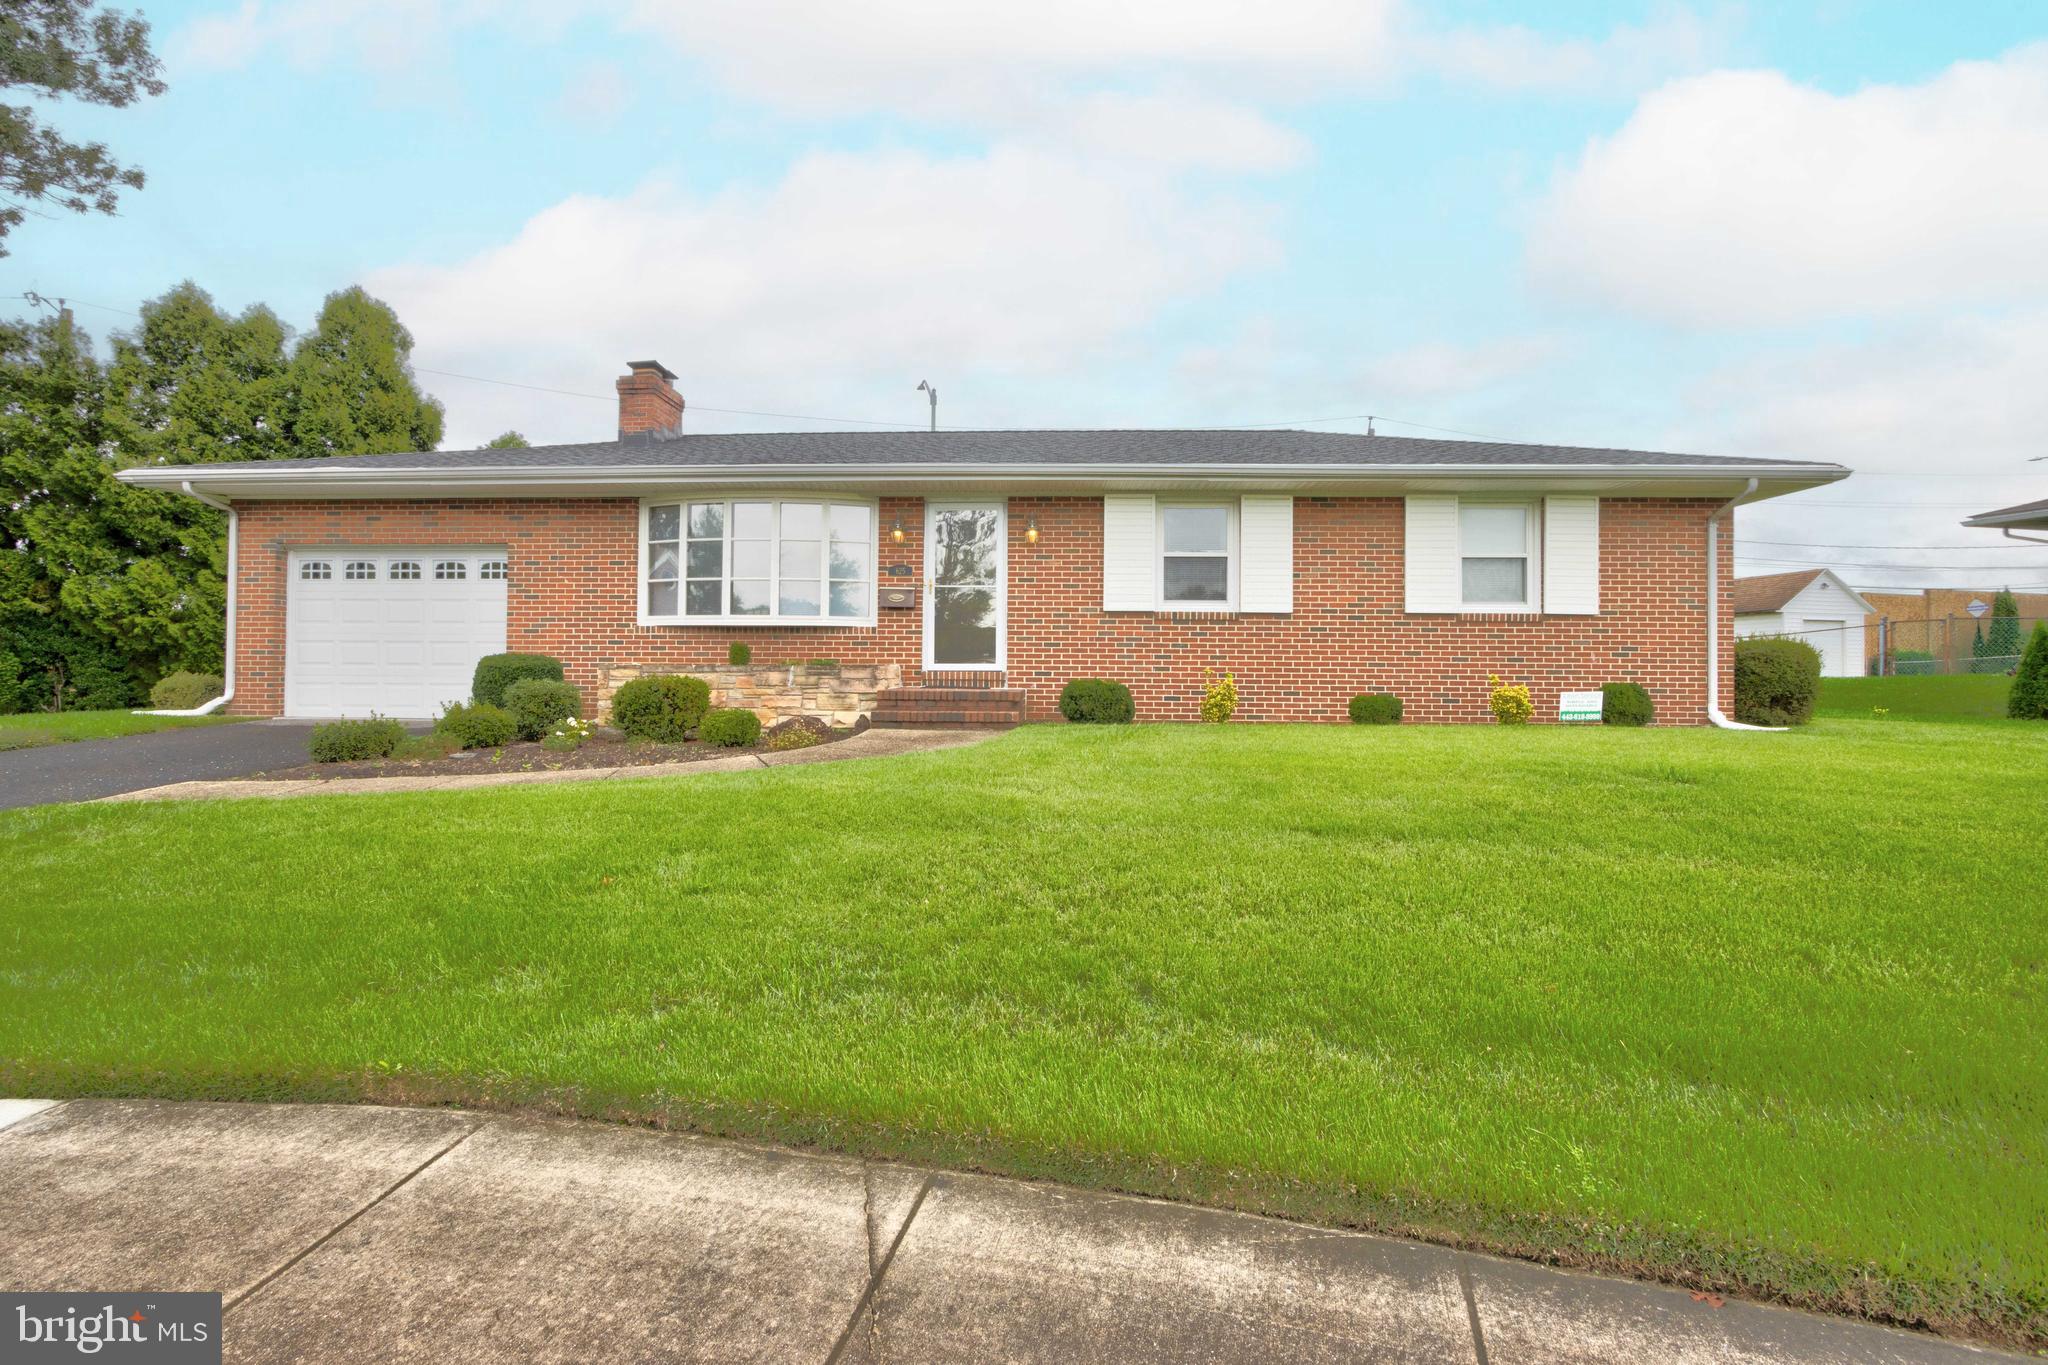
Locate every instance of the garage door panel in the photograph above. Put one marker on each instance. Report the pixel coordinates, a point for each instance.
(397, 646)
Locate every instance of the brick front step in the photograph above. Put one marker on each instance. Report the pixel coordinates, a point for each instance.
(918, 708)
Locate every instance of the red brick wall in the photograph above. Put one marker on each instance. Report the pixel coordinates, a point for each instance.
(572, 595)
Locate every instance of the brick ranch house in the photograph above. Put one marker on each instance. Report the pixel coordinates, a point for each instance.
(973, 573)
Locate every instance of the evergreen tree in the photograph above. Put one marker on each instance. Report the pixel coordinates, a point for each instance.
(2028, 699)
(352, 390)
(2003, 641)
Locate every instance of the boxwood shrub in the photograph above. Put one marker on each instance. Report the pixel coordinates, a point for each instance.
(1776, 681)
(739, 652)
(496, 672)
(1376, 708)
(1625, 703)
(347, 741)
(731, 728)
(537, 704)
(478, 725)
(1097, 701)
(181, 691)
(664, 708)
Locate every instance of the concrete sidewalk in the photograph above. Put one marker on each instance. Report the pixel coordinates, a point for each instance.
(345, 1234)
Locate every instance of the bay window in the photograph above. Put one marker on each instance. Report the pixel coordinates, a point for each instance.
(758, 561)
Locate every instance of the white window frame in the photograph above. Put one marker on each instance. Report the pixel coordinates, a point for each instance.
(1232, 554)
(824, 620)
(404, 571)
(1532, 544)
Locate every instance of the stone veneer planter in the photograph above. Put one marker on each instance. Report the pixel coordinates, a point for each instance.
(838, 696)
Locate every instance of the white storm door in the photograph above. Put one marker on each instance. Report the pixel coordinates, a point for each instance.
(965, 573)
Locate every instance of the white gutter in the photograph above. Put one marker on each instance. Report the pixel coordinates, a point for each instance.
(1714, 713)
(228, 695)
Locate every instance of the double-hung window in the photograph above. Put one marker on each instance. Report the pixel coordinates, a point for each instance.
(758, 561)
(1497, 555)
(1197, 568)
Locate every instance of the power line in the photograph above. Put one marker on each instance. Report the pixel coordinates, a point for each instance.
(1823, 545)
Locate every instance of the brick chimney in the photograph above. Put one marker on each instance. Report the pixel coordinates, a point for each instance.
(649, 406)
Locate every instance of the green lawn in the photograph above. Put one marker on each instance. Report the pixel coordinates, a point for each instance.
(56, 727)
(1960, 697)
(1762, 1012)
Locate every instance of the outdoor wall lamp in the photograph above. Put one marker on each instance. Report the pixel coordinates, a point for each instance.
(1031, 531)
(896, 531)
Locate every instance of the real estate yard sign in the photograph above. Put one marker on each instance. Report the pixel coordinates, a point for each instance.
(1579, 705)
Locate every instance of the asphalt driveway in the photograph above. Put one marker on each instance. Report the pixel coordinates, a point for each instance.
(91, 768)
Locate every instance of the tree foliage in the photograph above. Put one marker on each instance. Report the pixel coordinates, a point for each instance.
(352, 389)
(52, 49)
(510, 440)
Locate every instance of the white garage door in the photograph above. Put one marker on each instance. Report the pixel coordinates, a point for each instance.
(391, 630)
(1831, 638)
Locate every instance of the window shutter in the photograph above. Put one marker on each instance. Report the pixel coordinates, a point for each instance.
(1130, 560)
(1430, 553)
(1265, 537)
(1571, 556)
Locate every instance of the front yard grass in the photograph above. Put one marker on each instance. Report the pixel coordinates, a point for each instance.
(1760, 1013)
(34, 728)
(1960, 696)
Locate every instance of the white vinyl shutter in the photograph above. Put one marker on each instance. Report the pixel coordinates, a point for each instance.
(1130, 559)
(1430, 553)
(1571, 556)
(1266, 540)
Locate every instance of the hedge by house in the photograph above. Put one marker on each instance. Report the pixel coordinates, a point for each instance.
(345, 741)
(181, 691)
(537, 704)
(1625, 703)
(1776, 681)
(496, 672)
(1376, 708)
(663, 708)
(1097, 701)
(478, 725)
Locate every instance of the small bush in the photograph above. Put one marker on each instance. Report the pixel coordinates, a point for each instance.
(181, 691)
(1510, 702)
(477, 725)
(1376, 708)
(1219, 698)
(730, 729)
(664, 708)
(416, 747)
(496, 672)
(566, 737)
(1097, 701)
(782, 738)
(1626, 703)
(1776, 681)
(739, 652)
(348, 741)
(537, 704)
(2028, 699)
(1914, 663)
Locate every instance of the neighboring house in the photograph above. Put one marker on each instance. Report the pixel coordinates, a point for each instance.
(2028, 516)
(1312, 565)
(1814, 605)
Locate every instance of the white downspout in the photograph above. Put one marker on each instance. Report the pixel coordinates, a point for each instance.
(1714, 616)
(229, 694)
(2031, 540)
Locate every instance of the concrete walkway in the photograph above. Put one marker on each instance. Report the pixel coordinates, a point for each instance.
(345, 1234)
(86, 769)
(867, 744)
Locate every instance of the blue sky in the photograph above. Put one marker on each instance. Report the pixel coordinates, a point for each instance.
(1807, 230)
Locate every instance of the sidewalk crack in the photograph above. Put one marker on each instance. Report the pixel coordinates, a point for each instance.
(253, 1290)
(860, 1310)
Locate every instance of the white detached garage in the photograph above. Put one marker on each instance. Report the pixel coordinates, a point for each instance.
(395, 631)
(1814, 605)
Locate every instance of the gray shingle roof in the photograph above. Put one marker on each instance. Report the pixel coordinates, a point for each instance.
(1108, 448)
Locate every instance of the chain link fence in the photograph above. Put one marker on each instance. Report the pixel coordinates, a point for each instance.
(1947, 644)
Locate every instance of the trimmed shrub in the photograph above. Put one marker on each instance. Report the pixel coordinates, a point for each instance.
(496, 672)
(1776, 681)
(2028, 699)
(739, 652)
(1625, 703)
(1097, 701)
(1510, 703)
(348, 741)
(415, 747)
(663, 708)
(537, 704)
(181, 691)
(730, 729)
(1915, 663)
(477, 725)
(1219, 698)
(1376, 708)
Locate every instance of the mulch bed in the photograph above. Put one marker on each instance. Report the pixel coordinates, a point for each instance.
(524, 756)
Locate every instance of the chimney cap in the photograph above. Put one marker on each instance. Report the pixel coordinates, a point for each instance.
(664, 371)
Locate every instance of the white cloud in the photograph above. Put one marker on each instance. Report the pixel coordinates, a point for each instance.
(1435, 370)
(1167, 130)
(849, 279)
(1743, 198)
(595, 92)
(1629, 58)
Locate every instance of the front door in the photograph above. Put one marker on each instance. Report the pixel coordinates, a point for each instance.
(965, 570)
